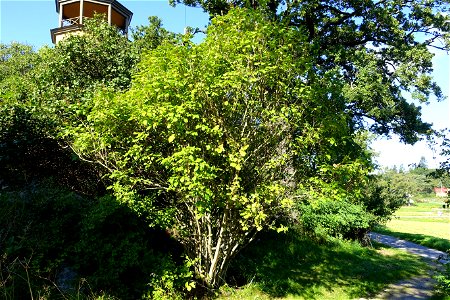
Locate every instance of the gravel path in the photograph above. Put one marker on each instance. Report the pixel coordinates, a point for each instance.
(412, 288)
(424, 252)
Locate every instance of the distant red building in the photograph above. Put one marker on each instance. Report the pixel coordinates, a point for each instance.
(441, 191)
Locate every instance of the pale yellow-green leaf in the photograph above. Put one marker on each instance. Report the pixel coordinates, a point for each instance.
(220, 149)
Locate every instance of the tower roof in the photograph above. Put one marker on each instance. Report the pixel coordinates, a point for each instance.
(115, 4)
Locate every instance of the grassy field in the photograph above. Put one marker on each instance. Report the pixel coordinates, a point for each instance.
(287, 266)
(426, 223)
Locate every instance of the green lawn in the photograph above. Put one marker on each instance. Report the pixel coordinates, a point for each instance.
(290, 267)
(431, 209)
(425, 223)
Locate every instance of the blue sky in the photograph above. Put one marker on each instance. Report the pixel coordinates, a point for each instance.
(30, 22)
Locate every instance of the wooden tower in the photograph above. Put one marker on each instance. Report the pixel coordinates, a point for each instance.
(73, 12)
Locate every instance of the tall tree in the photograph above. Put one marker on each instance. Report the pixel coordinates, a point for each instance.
(379, 49)
(148, 37)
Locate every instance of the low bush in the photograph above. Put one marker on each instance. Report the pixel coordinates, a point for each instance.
(38, 231)
(344, 213)
(336, 219)
(54, 242)
(443, 279)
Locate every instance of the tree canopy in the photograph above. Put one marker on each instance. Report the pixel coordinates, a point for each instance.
(378, 49)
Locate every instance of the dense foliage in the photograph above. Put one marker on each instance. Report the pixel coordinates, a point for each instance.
(376, 49)
(204, 136)
(351, 217)
(54, 241)
(46, 90)
(264, 124)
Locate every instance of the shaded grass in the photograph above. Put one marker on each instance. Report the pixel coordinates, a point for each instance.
(291, 266)
(421, 239)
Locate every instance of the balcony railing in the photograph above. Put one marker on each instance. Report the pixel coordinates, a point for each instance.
(76, 21)
(71, 21)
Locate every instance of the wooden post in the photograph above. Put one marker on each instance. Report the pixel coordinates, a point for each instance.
(81, 11)
(127, 24)
(61, 15)
(109, 14)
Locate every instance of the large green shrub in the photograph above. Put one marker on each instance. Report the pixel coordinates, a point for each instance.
(203, 135)
(347, 207)
(45, 228)
(335, 218)
(381, 198)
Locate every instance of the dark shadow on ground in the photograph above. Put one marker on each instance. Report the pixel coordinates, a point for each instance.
(287, 264)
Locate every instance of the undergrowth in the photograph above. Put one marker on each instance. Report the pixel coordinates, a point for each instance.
(443, 279)
(57, 244)
(289, 265)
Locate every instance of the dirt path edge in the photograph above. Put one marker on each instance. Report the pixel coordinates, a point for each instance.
(417, 287)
